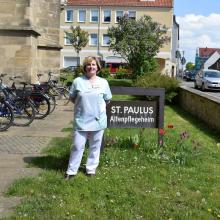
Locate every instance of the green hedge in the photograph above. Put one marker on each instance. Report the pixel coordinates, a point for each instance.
(156, 80)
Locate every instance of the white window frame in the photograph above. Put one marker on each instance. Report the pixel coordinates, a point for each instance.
(81, 10)
(66, 17)
(109, 11)
(66, 41)
(64, 57)
(90, 39)
(91, 15)
(103, 41)
(117, 16)
(132, 12)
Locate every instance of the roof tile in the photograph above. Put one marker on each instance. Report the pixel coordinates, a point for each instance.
(207, 52)
(134, 3)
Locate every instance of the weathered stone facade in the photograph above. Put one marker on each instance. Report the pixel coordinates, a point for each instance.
(29, 37)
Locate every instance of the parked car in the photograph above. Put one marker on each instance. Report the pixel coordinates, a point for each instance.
(190, 75)
(183, 74)
(207, 79)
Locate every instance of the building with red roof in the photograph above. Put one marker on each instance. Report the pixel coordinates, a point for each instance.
(207, 52)
(95, 16)
(207, 58)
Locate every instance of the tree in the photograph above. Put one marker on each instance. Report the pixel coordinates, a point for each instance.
(190, 66)
(138, 42)
(78, 38)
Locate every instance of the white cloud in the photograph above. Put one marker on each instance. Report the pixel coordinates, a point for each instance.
(198, 31)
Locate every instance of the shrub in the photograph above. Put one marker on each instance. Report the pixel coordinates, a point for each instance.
(78, 71)
(104, 72)
(120, 82)
(123, 74)
(67, 76)
(156, 80)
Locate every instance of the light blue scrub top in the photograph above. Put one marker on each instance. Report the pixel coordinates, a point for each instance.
(90, 103)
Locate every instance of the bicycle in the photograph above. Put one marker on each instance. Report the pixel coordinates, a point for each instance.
(40, 101)
(23, 109)
(55, 90)
(6, 114)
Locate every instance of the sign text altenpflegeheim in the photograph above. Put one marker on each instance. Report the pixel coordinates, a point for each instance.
(135, 114)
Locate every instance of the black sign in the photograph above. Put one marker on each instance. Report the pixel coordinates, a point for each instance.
(132, 114)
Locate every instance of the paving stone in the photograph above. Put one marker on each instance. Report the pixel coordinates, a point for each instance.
(6, 204)
(19, 145)
(22, 145)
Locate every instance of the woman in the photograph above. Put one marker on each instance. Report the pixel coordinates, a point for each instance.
(89, 93)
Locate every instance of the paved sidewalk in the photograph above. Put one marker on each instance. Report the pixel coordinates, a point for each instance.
(19, 144)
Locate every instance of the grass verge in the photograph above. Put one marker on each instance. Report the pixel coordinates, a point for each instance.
(180, 181)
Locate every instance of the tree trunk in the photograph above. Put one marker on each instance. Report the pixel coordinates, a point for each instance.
(78, 63)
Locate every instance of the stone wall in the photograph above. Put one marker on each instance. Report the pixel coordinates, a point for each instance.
(29, 37)
(48, 61)
(14, 12)
(206, 108)
(16, 50)
(45, 15)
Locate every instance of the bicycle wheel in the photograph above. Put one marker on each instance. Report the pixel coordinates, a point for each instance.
(52, 100)
(6, 115)
(63, 94)
(41, 104)
(24, 112)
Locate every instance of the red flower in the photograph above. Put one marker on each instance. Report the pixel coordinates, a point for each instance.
(170, 126)
(162, 131)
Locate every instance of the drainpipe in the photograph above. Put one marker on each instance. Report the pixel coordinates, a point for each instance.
(99, 27)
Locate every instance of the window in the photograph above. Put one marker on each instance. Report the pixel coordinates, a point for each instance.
(132, 14)
(69, 15)
(93, 39)
(105, 40)
(119, 14)
(66, 40)
(106, 16)
(94, 16)
(70, 62)
(82, 16)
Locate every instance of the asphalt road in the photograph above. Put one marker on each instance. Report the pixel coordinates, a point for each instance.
(212, 93)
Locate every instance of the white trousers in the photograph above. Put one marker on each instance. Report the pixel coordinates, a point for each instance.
(78, 147)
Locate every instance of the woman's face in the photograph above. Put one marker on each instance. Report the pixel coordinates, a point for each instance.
(91, 68)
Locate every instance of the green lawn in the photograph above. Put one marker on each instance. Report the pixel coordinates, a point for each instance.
(179, 181)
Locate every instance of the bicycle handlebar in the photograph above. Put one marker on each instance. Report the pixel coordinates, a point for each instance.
(39, 75)
(14, 77)
(3, 74)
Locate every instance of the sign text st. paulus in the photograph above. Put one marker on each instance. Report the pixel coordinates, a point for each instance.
(137, 114)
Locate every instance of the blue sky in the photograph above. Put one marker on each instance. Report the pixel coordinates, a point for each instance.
(203, 7)
(199, 22)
